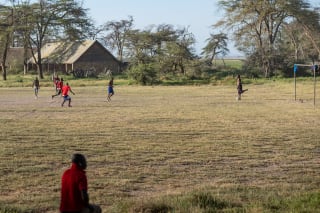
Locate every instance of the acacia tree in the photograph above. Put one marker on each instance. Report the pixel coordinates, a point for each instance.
(140, 48)
(216, 44)
(6, 26)
(181, 51)
(159, 49)
(48, 20)
(117, 35)
(257, 25)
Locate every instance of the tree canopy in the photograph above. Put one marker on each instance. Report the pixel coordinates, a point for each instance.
(257, 26)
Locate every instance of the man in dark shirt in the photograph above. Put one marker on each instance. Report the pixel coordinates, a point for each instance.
(74, 188)
(36, 87)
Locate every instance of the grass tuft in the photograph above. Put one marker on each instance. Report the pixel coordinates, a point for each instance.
(206, 201)
(153, 208)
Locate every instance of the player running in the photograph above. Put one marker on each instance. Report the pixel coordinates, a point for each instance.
(56, 79)
(59, 85)
(65, 90)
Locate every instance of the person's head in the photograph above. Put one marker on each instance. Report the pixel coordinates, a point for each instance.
(80, 160)
(61, 79)
(238, 76)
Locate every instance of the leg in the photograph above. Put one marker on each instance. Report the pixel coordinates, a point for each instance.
(65, 98)
(69, 105)
(239, 94)
(57, 93)
(243, 91)
(110, 95)
(36, 92)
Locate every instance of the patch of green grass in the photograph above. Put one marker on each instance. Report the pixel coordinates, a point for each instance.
(232, 63)
(206, 201)
(306, 202)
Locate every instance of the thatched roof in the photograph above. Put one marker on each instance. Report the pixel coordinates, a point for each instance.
(64, 53)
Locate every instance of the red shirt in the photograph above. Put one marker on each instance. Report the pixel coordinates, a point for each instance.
(56, 80)
(65, 90)
(73, 181)
(59, 84)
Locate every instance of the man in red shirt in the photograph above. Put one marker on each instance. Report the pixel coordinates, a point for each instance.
(74, 187)
(65, 90)
(55, 79)
(59, 86)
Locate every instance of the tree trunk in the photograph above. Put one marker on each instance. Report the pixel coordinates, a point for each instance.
(4, 72)
(4, 58)
(39, 64)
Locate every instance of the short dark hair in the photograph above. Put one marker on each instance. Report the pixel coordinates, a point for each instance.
(80, 160)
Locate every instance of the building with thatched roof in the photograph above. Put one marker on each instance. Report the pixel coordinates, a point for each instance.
(87, 56)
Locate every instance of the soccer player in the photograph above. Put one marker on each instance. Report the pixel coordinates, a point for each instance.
(65, 94)
(110, 89)
(56, 79)
(36, 87)
(59, 85)
(239, 88)
(74, 188)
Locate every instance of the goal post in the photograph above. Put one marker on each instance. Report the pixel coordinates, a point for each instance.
(314, 68)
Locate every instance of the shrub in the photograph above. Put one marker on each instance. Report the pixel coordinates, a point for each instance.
(144, 74)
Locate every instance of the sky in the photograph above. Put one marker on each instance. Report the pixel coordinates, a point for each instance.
(197, 15)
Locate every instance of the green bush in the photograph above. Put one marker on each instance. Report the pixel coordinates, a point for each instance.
(143, 74)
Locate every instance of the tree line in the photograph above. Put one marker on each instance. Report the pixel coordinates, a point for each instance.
(273, 35)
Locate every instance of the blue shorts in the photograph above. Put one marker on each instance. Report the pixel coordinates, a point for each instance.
(66, 98)
(110, 90)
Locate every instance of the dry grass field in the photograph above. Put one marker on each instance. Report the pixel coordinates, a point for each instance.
(153, 146)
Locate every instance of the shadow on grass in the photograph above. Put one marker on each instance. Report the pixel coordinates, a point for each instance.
(5, 209)
(209, 203)
(153, 208)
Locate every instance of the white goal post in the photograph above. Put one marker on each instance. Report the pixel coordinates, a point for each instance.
(314, 68)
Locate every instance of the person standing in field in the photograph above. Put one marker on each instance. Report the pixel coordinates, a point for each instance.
(74, 188)
(36, 87)
(239, 88)
(65, 94)
(59, 85)
(110, 89)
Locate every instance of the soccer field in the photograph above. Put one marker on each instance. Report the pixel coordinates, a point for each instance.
(154, 142)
